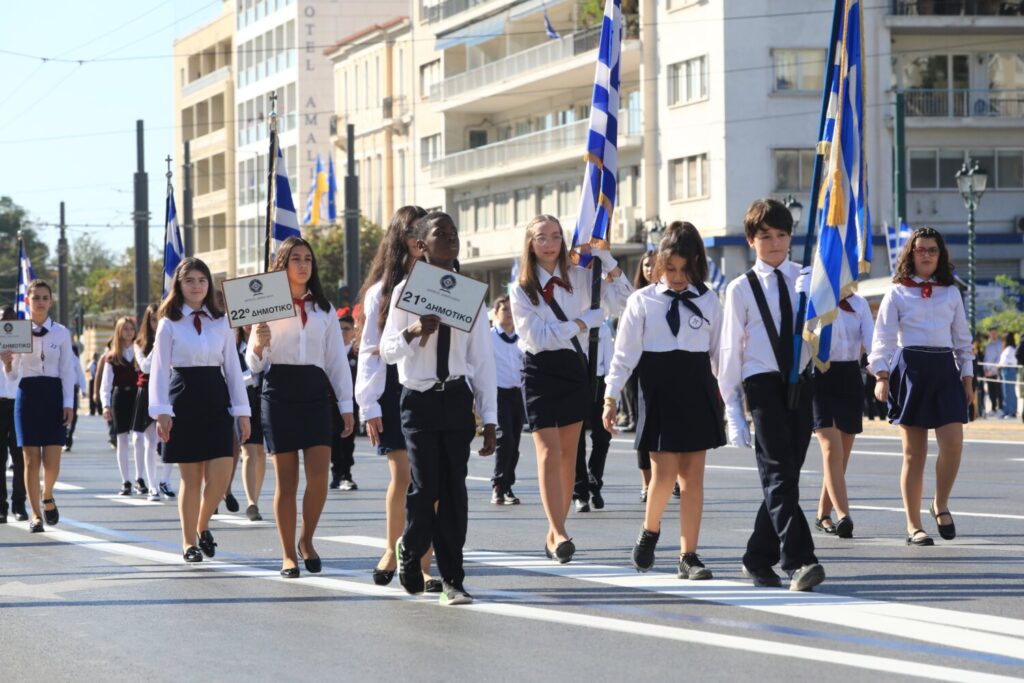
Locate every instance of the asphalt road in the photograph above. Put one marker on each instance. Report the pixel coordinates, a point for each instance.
(106, 594)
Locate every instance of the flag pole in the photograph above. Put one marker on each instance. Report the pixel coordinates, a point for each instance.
(809, 243)
(271, 181)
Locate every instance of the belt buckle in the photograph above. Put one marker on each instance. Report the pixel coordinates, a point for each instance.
(438, 386)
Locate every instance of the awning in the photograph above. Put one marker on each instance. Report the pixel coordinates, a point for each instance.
(474, 34)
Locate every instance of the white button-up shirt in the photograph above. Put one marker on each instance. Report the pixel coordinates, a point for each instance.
(107, 384)
(539, 328)
(852, 331)
(470, 355)
(144, 361)
(991, 357)
(59, 360)
(905, 318)
(745, 347)
(178, 345)
(8, 389)
(371, 371)
(508, 359)
(319, 343)
(644, 327)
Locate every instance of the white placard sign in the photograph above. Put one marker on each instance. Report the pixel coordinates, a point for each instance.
(454, 298)
(258, 298)
(16, 336)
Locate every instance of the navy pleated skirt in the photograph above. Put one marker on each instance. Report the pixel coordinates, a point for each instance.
(925, 389)
(141, 420)
(39, 412)
(390, 402)
(839, 397)
(202, 428)
(296, 408)
(680, 407)
(557, 388)
(123, 408)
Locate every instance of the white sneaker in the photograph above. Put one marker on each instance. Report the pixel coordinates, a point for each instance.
(154, 496)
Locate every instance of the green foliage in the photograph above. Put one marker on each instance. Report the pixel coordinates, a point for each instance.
(12, 219)
(329, 245)
(1010, 319)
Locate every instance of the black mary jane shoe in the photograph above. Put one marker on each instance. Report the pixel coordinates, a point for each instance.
(844, 527)
(383, 577)
(36, 526)
(547, 552)
(290, 573)
(819, 524)
(313, 564)
(920, 540)
(206, 543)
(192, 555)
(947, 531)
(564, 551)
(51, 516)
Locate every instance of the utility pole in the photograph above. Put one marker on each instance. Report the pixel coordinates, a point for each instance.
(899, 163)
(62, 271)
(352, 275)
(186, 198)
(141, 216)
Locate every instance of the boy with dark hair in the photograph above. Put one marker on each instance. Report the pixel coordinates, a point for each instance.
(508, 364)
(343, 448)
(755, 361)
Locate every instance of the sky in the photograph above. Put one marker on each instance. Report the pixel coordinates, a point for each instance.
(67, 130)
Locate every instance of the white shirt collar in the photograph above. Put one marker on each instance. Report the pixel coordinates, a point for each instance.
(47, 324)
(543, 276)
(762, 268)
(661, 288)
(187, 310)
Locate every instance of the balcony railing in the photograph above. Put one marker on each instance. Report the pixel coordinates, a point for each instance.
(433, 12)
(965, 103)
(212, 78)
(963, 8)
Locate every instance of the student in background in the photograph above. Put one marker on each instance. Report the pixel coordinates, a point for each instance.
(590, 474)
(117, 393)
(343, 448)
(9, 443)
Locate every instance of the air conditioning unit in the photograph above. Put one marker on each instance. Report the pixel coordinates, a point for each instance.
(1018, 223)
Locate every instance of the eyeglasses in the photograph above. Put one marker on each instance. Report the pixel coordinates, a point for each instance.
(547, 239)
(926, 251)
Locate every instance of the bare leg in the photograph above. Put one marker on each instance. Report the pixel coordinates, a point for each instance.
(833, 488)
(691, 499)
(645, 478)
(664, 470)
(32, 456)
(394, 505)
(216, 475)
(555, 494)
(286, 469)
(951, 445)
(570, 439)
(915, 451)
(189, 496)
(254, 471)
(51, 469)
(317, 461)
(235, 452)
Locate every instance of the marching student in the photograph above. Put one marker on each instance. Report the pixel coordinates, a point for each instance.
(754, 361)
(254, 456)
(378, 390)
(590, 475)
(838, 410)
(143, 426)
(303, 359)
(43, 403)
(436, 365)
(195, 391)
(630, 398)
(111, 435)
(922, 359)
(551, 307)
(671, 330)
(94, 406)
(80, 383)
(9, 444)
(508, 366)
(117, 393)
(230, 502)
(343, 448)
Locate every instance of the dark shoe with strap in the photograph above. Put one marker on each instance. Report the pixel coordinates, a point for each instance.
(313, 564)
(36, 526)
(192, 555)
(819, 524)
(206, 543)
(230, 502)
(564, 551)
(643, 549)
(290, 573)
(920, 538)
(844, 528)
(52, 517)
(947, 531)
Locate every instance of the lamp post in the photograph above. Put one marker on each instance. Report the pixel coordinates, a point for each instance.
(795, 208)
(972, 181)
(80, 311)
(114, 284)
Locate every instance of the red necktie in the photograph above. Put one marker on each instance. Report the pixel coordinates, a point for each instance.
(845, 305)
(300, 306)
(548, 291)
(925, 287)
(197, 320)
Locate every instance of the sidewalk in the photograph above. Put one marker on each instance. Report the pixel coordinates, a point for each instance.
(986, 428)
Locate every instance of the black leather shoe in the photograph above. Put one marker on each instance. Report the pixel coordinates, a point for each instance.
(51, 516)
(126, 489)
(140, 487)
(819, 524)
(313, 564)
(547, 552)
(564, 551)
(433, 586)
(947, 531)
(36, 526)
(206, 543)
(597, 500)
(383, 577)
(3, 518)
(643, 550)
(920, 538)
(192, 555)
(844, 528)
(166, 490)
(675, 490)
(763, 578)
(290, 573)
(335, 483)
(409, 573)
(231, 503)
(253, 513)
(20, 515)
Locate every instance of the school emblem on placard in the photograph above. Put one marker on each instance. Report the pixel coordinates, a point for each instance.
(255, 286)
(448, 282)
(8, 328)
(696, 321)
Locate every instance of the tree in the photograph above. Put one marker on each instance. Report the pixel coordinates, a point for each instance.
(12, 219)
(329, 245)
(1010, 318)
(102, 293)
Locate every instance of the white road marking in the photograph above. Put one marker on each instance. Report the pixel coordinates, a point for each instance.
(889, 453)
(774, 648)
(969, 631)
(1018, 442)
(240, 521)
(58, 486)
(960, 513)
(487, 479)
(129, 500)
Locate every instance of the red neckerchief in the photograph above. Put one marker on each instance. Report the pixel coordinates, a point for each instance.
(925, 287)
(845, 305)
(300, 306)
(197, 320)
(548, 290)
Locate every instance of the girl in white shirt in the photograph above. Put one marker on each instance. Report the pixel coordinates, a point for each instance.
(922, 358)
(43, 404)
(301, 357)
(1008, 373)
(254, 455)
(670, 330)
(838, 407)
(195, 391)
(117, 394)
(552, 313)
(143, 426)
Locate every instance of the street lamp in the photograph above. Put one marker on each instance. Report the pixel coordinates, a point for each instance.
(795, 208)
(972, 181)
(114, 284)
(80, 311)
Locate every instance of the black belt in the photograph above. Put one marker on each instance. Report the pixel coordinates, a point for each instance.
(929, 349)
(440, 386)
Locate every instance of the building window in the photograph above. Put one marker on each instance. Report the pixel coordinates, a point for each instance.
(934, 169)
(430, 149)
(501, 212)
(524, 209)
(568, 198)
(465, 216)
(688, 81)
(794, 169)
(481, 220)
(679, 4)
(688, 178)
(799, 70)
(430, 75)
(477, 138)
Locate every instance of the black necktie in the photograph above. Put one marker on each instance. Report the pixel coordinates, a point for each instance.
(673, 310)
(40, 331)
(786, 328)
(444, 345)
(507, 339)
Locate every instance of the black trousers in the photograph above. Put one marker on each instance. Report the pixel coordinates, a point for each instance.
(511, 418)
(94, 406)
(74, 420)
(630, 399)
(9, 444)
(781, 533)
(438, 427)
(342, 449)
(995, 394)
(590, 476)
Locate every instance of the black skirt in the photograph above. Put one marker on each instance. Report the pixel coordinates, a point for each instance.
(839, 397)
(123, 409)
(203, 427)
(39, 413)
(678, 416)
(557, 390)
(296, 408)
(142, 420)
(925, 389)
(256, 419)
(391, 439)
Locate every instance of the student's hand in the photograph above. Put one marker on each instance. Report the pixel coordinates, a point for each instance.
(803, 280)
(490, 440)
(882, 389)
(739, 431)
(107, 415)
(244, 428)
(424, 327)
(968, 383)
(262, 339)
(374, 428)
(592, 317)
(608, 419)
(163, 427)
(8, 358)
(69, 416)
(349, 423)
(608, 262)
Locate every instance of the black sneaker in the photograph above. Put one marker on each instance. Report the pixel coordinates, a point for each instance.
(140, 487)
(497, 497)
(582, 505)
(206, 543)
(452, 593)
(763, 578)
(335, 483)
(126, 489)
(690, 567)
(675, 490)
(348, 485)
(510, 498)
(597, 500)
(807, 577)
(166, 490)
(643, 551)
(230, 502)
(410, 575)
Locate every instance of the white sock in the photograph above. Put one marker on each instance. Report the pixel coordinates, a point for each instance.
(139, 450)
(124, 446)
(152, 476)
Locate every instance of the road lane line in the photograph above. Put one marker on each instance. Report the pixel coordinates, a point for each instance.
(961, 513)
(128, 500)
(58, 486)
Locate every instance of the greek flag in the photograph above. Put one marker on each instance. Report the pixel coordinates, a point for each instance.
(25, 276)
(548, 28)
(895, 240)
(173, 248)
(286, 222)
(316, 194)
(597, 201)
(715, 276)
(844, 244)
(332, 190)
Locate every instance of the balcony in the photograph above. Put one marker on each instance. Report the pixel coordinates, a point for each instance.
(957, 103)
(213, 78)
(962, 8)
(446, 9)
(952, 17)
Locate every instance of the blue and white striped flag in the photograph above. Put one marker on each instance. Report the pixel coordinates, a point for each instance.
(548, 28)
(332, 190)
(844, 244)
(174, 250)
(716, 278)
(25, 276)
(597, 201)
(895, 239)
(286, 222)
